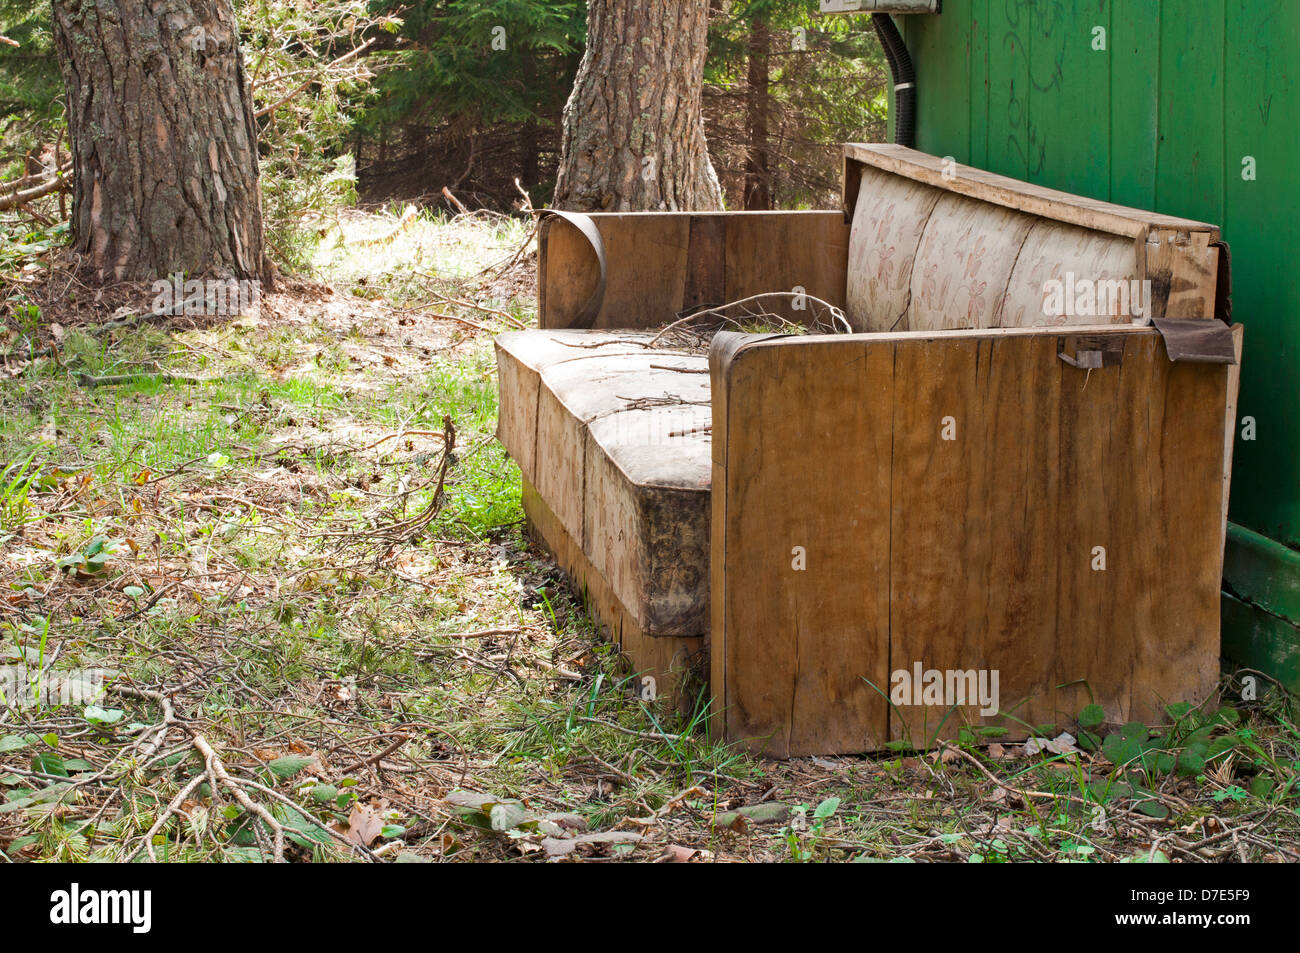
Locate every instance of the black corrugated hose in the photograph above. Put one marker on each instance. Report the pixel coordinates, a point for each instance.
(904, 74)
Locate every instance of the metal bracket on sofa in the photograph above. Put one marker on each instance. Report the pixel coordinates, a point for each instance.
(1092, 352)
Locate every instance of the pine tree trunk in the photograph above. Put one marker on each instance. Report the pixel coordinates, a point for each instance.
(164, 147)
(758, 193)
(633, 129)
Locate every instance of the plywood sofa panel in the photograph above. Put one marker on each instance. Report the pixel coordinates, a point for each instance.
(659, 263)
(1031, 526)
(801, 565)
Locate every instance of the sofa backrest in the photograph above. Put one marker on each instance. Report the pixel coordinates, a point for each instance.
(938, 245)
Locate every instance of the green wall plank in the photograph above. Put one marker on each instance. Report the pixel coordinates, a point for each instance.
(1262, 224)
(1189, 162)
(1262, 571)
(1069, 92)
(1134, 43)
(1008, 114)
(1254, 639)
(944, 59)
(979, 83)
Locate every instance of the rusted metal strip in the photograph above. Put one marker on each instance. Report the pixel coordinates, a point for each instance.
(1197, 340)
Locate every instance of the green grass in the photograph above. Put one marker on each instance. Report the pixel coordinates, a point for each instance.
(238, 544)
(192, 516)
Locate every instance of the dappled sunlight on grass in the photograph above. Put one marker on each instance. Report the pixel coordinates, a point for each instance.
(389, 249)
(297, 529)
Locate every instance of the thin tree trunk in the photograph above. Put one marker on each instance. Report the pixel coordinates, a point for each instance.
(758, 193)
(633, 128)
(163, 142)
(531, 154)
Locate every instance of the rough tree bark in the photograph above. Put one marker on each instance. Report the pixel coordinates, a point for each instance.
(758, 193)
(164, 147)
(633, 130)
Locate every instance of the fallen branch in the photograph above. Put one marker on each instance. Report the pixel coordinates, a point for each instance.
(446, 193)
(668, 807)
(452, 317)
(35, 178)
(215, 773)
(481, 634)
(405, 223)
(502, 267)
(24, 196)
(1021, 793)
(648, 735)
(158, 374)
(839, 324)
(505, 315)
(388, 533)
(404, 433)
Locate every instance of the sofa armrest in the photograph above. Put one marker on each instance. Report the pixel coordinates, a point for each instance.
(963, 502)
(661, 263)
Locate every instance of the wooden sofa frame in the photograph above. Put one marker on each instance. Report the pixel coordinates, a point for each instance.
(1048, 501)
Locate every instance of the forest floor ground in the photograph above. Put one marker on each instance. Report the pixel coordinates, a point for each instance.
(288, 548)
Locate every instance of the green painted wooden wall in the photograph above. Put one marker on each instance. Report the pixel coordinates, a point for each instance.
(1162, 118)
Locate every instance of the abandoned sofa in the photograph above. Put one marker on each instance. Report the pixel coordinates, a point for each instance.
(1008, 481)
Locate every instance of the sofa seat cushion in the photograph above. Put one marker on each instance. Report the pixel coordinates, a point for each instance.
(615, 437)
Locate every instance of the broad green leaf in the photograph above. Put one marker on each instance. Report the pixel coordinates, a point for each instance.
(17, 804)
(1217, 747)
(827, 807)
(1135, 731)
(1151, 807)
(506, 815)
(302, 831)
(102, 716)
(47, 762)
(1091, 716)
(289, 765)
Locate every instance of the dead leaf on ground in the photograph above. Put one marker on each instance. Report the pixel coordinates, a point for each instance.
(677, 854)
(1062, 744)
(769, 812)
(563, 847)
(364, 825)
